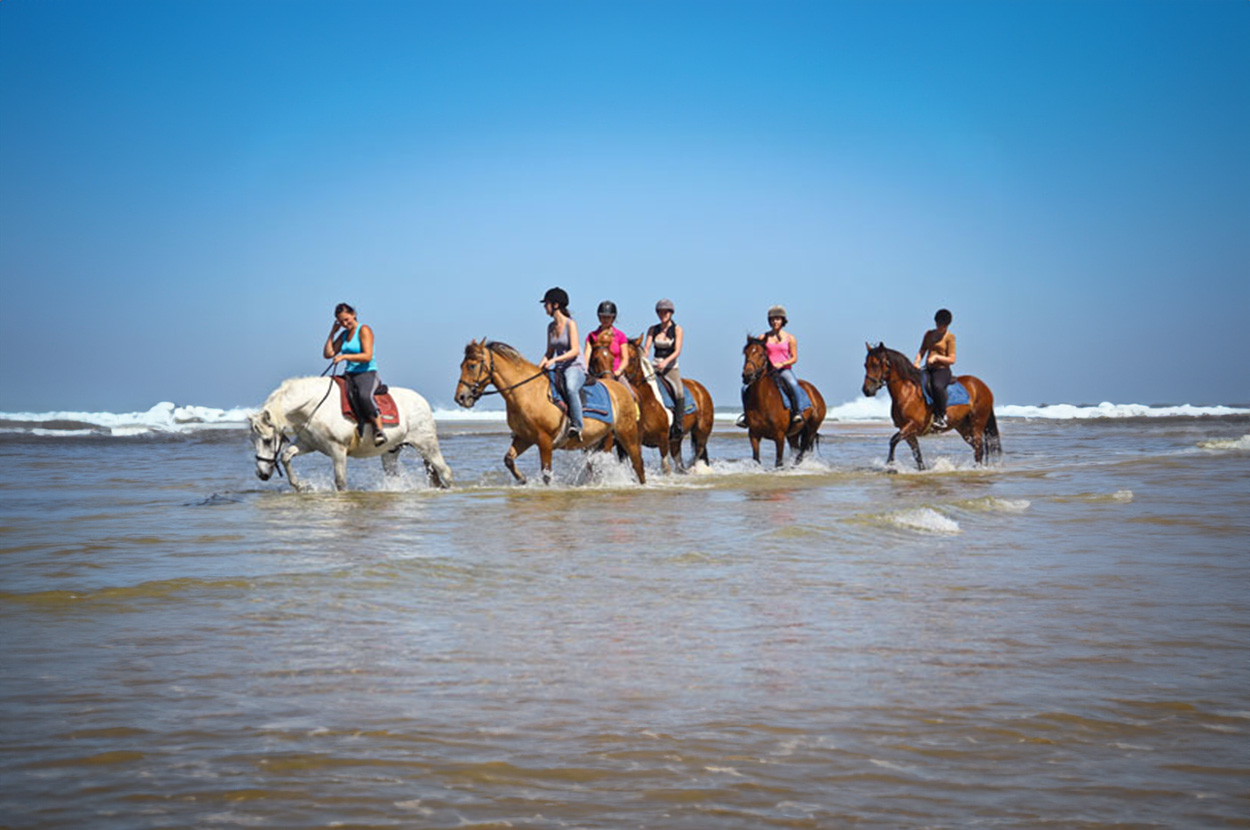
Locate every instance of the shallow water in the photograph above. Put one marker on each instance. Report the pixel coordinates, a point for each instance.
(1059, 640)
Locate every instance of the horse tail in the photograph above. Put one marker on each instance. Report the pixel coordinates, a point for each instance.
(993, 445)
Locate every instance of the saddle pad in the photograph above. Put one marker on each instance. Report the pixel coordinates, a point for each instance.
(596, 402)
(956, 395)
(383, 400)
(666, 398)
(805, 401)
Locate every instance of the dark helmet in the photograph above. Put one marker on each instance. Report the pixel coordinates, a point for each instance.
(556, 296)
(607, 307)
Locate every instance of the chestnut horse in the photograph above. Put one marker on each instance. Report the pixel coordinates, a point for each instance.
(532, 417)
(767, 410)
(913, 416)
(654, 422)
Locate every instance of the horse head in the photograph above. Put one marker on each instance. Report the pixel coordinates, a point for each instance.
(876, 369)
(755, 360)
(601, 358)
(476, 371)
(267, 440)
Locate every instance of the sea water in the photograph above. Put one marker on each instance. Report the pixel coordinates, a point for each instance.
(1059, 639)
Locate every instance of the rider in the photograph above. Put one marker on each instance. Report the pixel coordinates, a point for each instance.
(620, 343)
(940, 344)
(564, 356)
(355, 346)
(783, 352)
(667, 337)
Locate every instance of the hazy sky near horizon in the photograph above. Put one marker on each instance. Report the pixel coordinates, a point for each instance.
(187, 189)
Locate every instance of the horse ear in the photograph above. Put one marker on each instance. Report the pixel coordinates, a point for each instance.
(867, 345)
(881, 345)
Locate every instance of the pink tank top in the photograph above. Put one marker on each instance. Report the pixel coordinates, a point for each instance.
(778, 353)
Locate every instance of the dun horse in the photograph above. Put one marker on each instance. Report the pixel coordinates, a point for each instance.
(913, 415)
(654, 422)
(533, 418)
(308, 409)
(768, 413)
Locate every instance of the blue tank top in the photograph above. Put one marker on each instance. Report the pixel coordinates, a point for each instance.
(353, 347)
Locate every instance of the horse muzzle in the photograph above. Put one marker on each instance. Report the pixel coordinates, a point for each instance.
(871, 387)
(264, 475)
(466, 399)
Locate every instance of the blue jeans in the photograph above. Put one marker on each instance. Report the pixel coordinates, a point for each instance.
(791, 382)
(574, 380)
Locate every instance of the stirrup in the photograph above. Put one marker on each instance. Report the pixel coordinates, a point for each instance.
(574, 433)
(378, 438)
(939, 421)
(742, 421)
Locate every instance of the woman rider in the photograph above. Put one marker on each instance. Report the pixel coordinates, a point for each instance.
(939, 343)
(667, 337)
(355, 346)
(620, 343)
(783, 352)
(564, 356)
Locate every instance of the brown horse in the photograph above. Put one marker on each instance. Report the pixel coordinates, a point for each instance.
(532, 417)
(654, 422)
(767, 411)
(913, 416)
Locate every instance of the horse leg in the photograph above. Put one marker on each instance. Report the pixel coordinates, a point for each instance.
(914, 443)
(544, 457)
(436, 467)
(781, 450)
(755, 447)
(290, 452)
(634, 448)
(390, 463)
(339, 456)
(519, 445)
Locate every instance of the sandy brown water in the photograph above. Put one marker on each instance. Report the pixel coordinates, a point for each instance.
(1062, 640)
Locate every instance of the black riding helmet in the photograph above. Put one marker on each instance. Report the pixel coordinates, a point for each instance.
(556, 296)
(608, 308)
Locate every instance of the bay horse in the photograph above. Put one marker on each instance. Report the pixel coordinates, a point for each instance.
(308, 409)
(654, 415)
(533, 418)
(767, 410)
(913, 415)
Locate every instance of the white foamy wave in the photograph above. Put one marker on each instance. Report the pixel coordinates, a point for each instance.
(485, 416)
(164, 417)
(1242, 443)
(924, 519)
(1068, 412)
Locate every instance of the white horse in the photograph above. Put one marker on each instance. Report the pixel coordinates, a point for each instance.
(309, 410)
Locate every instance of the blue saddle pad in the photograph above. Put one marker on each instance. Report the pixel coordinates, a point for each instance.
(956, 395)
(666, 398)
(596, 402)
(804, 400)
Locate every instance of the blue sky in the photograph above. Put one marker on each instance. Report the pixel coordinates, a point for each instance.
(187, 189)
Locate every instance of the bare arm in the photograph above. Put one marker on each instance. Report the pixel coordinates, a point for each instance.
(794, 352)
(331, 347)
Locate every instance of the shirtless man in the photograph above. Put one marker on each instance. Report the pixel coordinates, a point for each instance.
(940, 344)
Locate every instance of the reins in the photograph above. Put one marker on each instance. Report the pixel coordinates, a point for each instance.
(282, 439)
(479, 386)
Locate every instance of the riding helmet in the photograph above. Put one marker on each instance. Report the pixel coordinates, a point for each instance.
(608, 308)
(777, 311)
(556, 296)
(664, 305)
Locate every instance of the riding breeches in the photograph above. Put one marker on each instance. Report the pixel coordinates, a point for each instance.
(360, 389)
(938, 377)
(672, 376)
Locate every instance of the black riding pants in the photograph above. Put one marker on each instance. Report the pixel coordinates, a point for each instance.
(939, 379)
(360, 389)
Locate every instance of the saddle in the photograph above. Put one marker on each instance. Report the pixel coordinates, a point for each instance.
(382, 397)
(956, 394)
(596, 401)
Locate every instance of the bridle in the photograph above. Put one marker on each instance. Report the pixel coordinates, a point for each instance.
(278, 440)
(765, 366)
(883, 372)
(477, 391)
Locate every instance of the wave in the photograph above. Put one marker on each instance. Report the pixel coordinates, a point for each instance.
(171, 418)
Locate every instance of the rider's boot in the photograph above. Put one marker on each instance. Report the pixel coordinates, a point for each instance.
(939, 420)
(679, 411)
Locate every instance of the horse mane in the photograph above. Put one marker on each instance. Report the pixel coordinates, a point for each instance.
(900, 364)
(502, 349)
(277, 414)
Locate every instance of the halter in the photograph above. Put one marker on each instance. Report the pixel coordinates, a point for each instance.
(768, 366)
